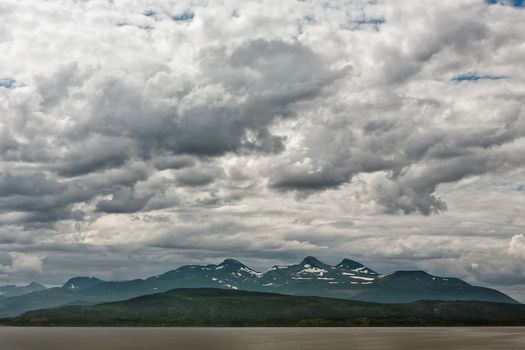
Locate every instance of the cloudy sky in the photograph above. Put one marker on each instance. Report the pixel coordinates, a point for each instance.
(136, 136)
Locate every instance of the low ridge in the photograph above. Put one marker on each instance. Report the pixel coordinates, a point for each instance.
(199, 307)
(12, 290)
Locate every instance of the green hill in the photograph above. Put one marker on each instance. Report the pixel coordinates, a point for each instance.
(220, 307)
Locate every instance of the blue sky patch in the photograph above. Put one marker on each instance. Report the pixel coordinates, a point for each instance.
(367, 23)
(149, 13)
(476, 77)
(513, 3)
(7, 83)
(186, 16)
(373, 21)
(309, 19)
(124, 24)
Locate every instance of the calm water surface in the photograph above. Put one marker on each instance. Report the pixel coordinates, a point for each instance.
(13, 338)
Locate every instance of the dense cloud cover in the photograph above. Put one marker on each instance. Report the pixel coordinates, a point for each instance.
(139, 135)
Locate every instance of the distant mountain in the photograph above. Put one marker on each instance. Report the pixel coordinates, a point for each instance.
(79, 283)
(347, 280)
(220, 307)
(408, 286)
(313, 277)
(13, 290)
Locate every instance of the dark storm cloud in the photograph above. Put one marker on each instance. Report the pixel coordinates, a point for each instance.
(28, 184)
(55, 88)
(122, 123)
(173, 162)
(44, 207)
(448, 156)
(37, 197)
(302, 181)
(123, 201)
(42, 198)
(196, 176)
(405, 199)
(264, 142)
(414, 160)
(269, 77)
(95, 154)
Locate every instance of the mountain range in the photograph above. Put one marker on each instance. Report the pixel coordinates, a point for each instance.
(14, 291)
(347, 280)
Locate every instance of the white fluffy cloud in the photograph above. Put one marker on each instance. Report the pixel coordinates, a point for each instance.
(517, 246)
(181, 131)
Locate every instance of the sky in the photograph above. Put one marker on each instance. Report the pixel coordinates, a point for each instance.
(138, 136)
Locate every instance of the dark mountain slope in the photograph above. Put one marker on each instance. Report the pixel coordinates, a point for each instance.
(219, 307)
(407, 286)
(78, 283)
(43, 299)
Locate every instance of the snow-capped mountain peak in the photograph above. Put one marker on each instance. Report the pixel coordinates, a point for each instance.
(354, 266)
(313, 262)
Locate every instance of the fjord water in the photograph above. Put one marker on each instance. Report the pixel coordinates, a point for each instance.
(458, 338)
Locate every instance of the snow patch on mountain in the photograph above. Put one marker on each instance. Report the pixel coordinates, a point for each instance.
(312, 270)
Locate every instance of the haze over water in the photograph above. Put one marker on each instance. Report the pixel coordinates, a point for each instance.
(14, 338)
